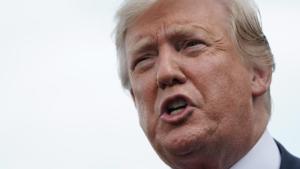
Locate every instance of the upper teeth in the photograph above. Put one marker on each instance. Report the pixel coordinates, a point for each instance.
(177, 104)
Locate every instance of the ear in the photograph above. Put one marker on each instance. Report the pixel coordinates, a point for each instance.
(261, 80)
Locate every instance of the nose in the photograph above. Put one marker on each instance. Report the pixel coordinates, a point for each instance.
(169, 72)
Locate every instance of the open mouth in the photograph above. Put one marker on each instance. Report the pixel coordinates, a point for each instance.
(176, 109)
(176, 106)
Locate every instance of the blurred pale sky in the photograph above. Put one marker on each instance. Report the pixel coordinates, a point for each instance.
(61, 104)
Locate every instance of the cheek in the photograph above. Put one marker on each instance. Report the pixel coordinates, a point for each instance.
(144, 88)
(144, 91)
(224, 85)
(231, 99)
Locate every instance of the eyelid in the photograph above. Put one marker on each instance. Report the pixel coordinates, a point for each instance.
(184, 44)
(141, 57)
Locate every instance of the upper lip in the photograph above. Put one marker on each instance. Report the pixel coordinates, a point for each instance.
(168, 100)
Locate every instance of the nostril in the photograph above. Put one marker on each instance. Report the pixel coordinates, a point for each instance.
(169, 74)
(170, 82)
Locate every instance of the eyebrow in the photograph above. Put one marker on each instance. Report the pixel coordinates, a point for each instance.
(184, 31)
(174, 32)
(142, 43)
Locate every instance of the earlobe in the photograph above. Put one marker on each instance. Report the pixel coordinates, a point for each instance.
(261, 80)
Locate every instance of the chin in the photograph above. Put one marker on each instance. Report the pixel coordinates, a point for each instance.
(185, 141)
(188, 152)
(180, 146)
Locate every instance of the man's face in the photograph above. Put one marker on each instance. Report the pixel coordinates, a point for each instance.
(191, 89)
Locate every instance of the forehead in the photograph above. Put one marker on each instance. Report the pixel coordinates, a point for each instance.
(162, 15)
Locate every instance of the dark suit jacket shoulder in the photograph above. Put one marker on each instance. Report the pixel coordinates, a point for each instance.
(288, 161)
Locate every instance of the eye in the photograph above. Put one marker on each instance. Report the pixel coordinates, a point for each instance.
(143, 61)
(191, 47)
(192, 43)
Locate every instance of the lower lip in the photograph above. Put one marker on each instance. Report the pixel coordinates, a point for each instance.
(177, 118)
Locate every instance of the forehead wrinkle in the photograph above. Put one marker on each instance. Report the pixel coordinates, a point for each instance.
(188, 29)
(176, 30)
(166, 32)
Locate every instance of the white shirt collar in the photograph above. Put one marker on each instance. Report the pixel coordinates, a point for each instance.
(264, 155)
